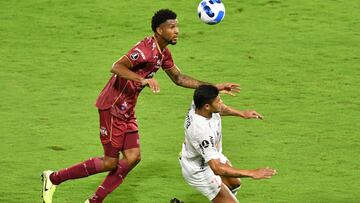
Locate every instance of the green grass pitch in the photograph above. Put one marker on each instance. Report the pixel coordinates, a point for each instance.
(298, 63)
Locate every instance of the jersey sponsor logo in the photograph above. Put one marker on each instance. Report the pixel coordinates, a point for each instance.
(134, 56)
(212, 141)
(202, 163)
(205, 144)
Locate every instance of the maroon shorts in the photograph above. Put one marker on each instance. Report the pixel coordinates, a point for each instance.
(116, 134)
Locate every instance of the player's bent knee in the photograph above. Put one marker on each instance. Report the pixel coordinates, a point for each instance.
(134, 160)
(110, 165)
(236, 183)
(132, 156)
(231, 183)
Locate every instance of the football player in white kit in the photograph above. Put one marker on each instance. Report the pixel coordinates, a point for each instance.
(202, 162)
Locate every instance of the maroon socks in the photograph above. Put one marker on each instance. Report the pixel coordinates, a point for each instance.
(84, 169)
(111, 182)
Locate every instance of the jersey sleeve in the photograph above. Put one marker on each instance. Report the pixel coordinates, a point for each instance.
(138, 54)
(204, 143)
(168, 61)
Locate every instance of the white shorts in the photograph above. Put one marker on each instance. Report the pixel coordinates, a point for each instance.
(206, 182)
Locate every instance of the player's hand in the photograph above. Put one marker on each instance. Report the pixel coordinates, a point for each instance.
(252, 114)
(263, 173)
(152, 83)
(228, 88)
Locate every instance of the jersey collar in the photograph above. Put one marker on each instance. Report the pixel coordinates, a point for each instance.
(157, 45)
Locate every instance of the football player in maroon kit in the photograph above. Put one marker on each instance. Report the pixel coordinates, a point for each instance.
(118, 126)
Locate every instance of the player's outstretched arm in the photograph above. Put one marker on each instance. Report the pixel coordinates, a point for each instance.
(226, 170)
(186, 81)
(183, 80)
(122, 69)
(247, 114)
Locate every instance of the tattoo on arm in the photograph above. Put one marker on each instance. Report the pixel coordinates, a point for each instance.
(189, 82)
(229, 111)
(225, 111)
(183, 80)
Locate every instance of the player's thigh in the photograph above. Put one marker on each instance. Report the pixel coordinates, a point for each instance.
(131, 140)
(131, 145)
(112, 129)
(224, 196)
(111, 135)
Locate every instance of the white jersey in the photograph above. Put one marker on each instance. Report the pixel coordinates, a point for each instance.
(203, 141)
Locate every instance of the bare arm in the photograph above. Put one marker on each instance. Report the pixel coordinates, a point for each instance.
(229, 111)
(183, 80)
(186, 81)
(226, 170)
(122, 69)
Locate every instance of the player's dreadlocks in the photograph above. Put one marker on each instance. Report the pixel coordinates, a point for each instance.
(161, 16)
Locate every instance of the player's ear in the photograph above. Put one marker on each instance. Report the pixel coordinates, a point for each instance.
(159, 30)
(207, 106)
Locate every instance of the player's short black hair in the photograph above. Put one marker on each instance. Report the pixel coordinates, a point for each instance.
(205, 94)
(175, 200)
(161, 16)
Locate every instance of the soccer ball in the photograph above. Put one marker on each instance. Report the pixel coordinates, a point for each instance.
(211, 11)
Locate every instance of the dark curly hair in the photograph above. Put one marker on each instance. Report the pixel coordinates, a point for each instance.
(161, 16)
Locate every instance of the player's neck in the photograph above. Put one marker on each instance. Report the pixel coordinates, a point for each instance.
(160, 42)
(204, 113)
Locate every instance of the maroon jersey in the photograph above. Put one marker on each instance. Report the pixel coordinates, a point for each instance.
(120, 94)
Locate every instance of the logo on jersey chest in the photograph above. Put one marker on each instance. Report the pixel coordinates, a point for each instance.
(212, 141)
(135, 55)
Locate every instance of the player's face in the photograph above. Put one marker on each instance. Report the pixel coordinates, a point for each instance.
(169, 30)
(216, 105)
